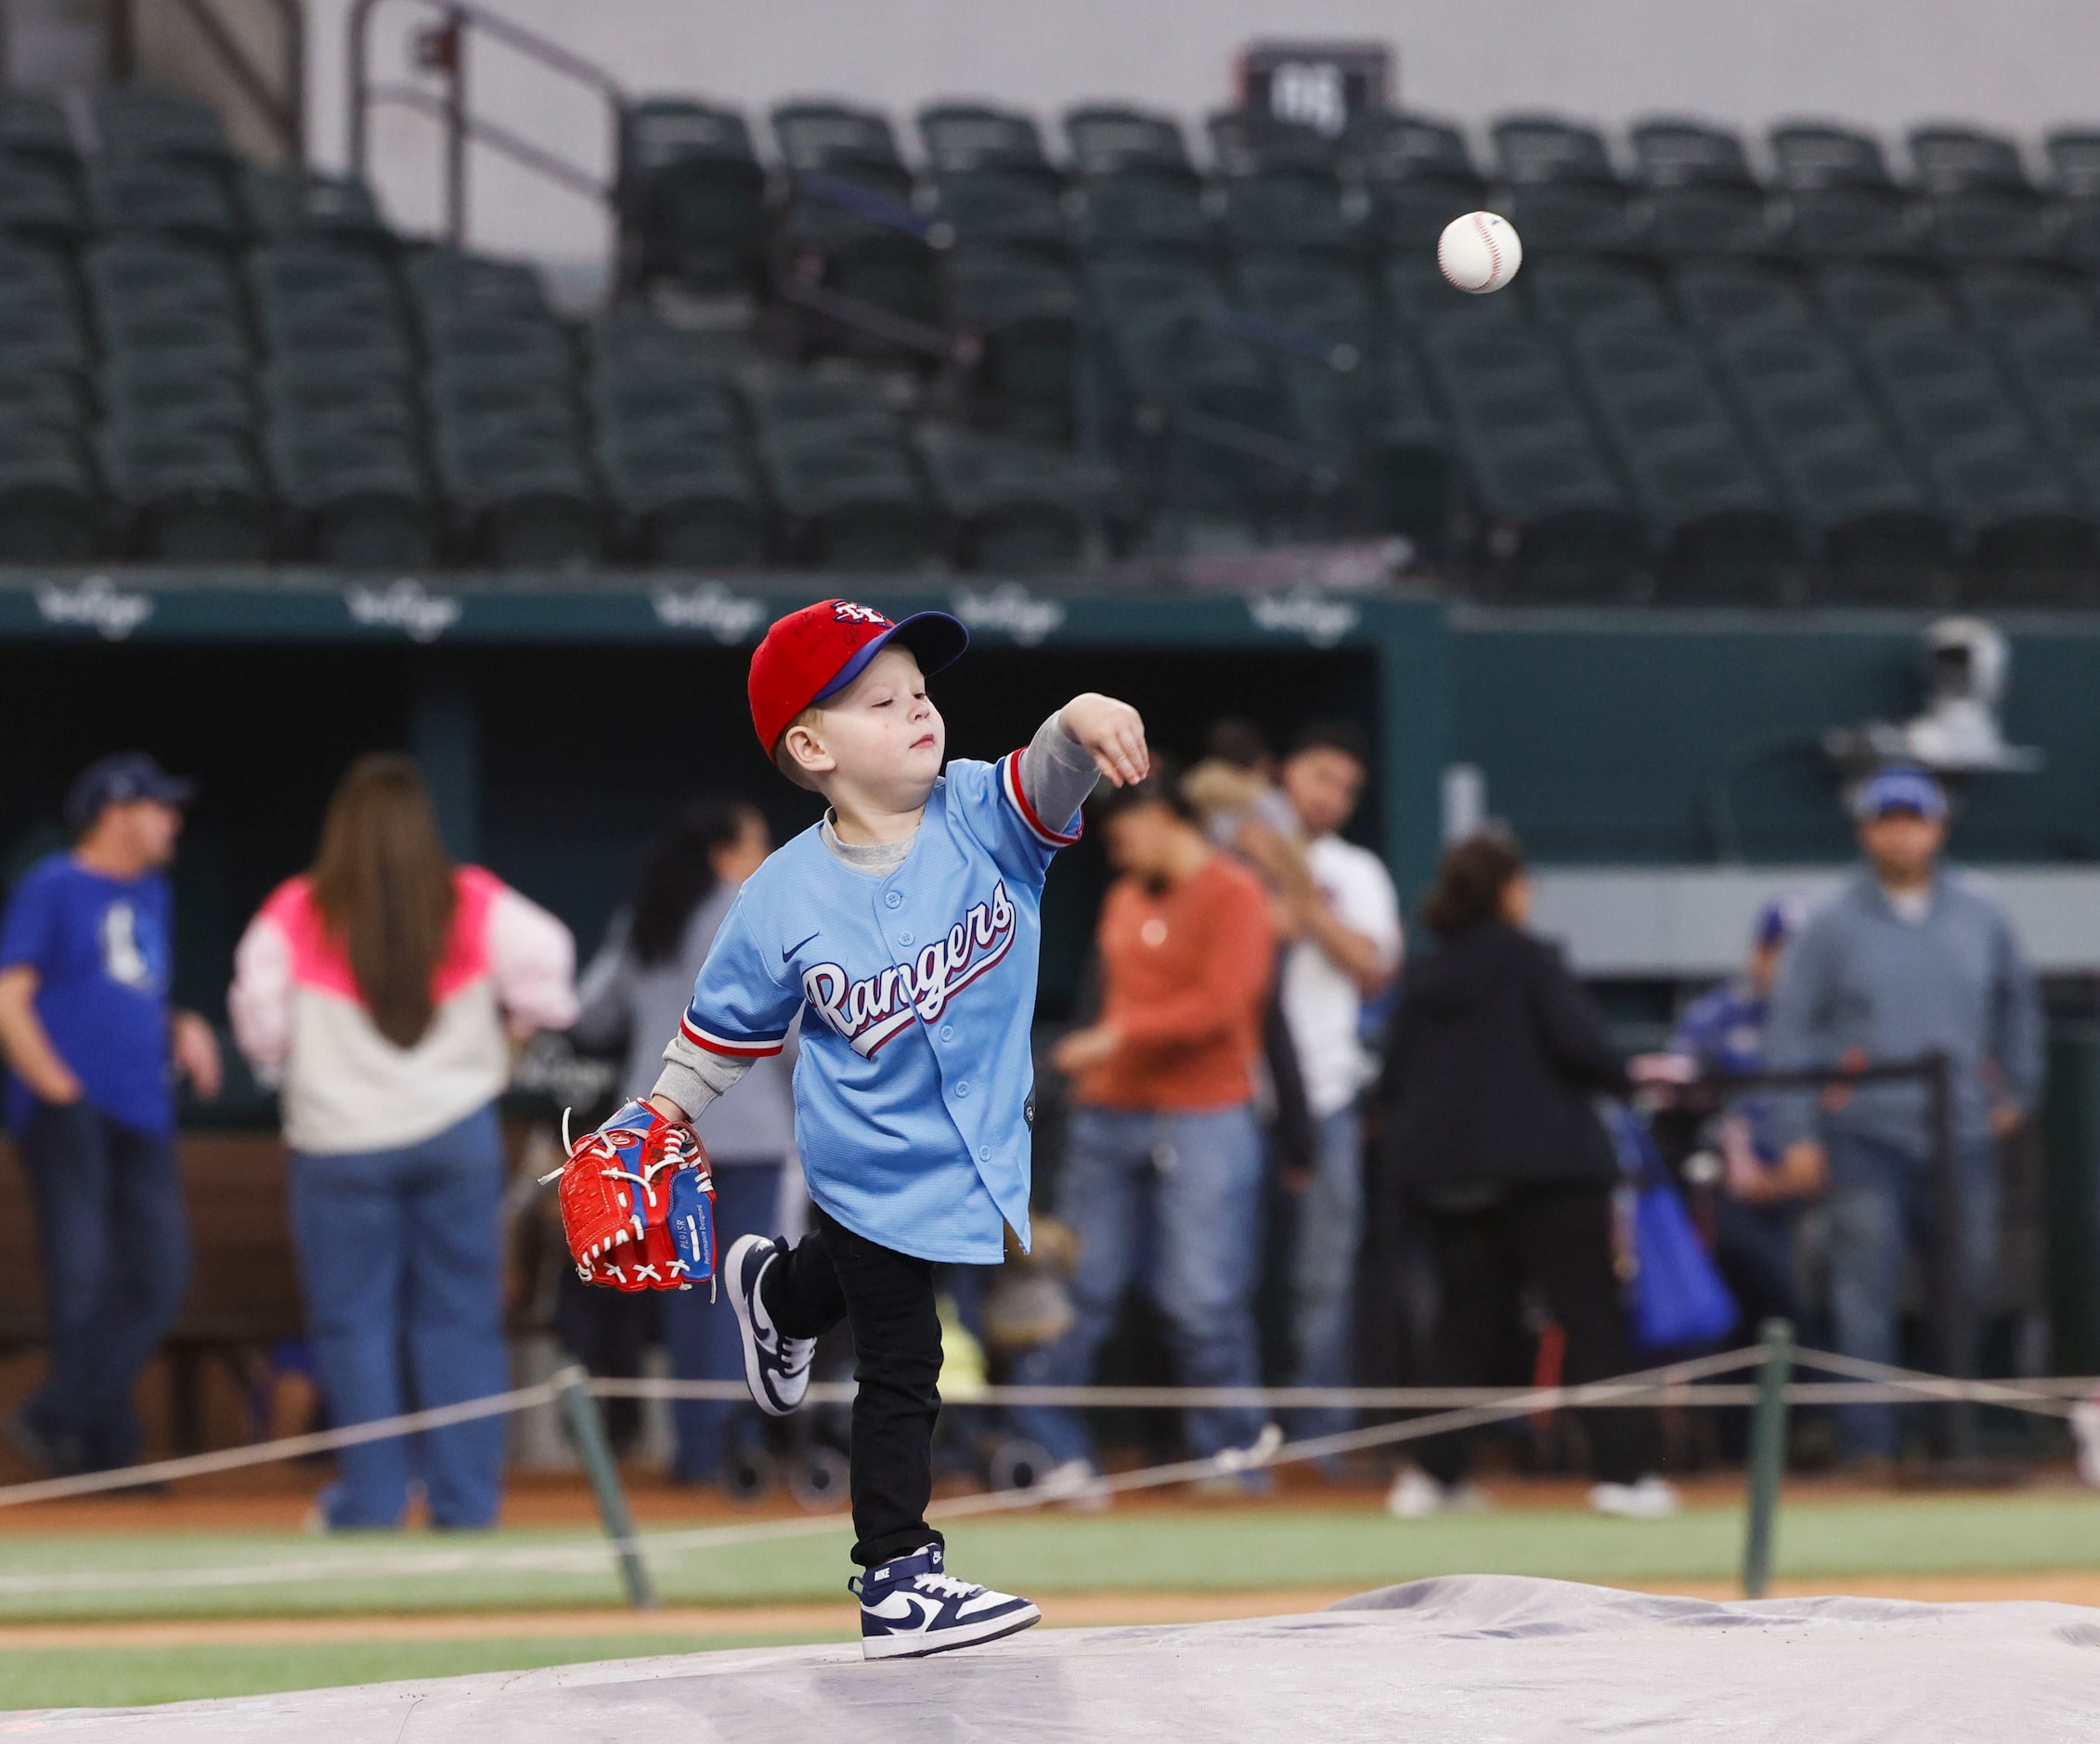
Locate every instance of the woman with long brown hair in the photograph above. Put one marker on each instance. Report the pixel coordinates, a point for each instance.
(380, 990)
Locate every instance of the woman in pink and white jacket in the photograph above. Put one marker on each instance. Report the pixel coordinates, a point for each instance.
(381, 991)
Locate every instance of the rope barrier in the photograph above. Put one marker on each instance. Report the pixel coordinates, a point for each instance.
(1449, 1409)
(1870, 1383)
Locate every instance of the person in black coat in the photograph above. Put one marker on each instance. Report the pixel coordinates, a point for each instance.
(1492, 1061)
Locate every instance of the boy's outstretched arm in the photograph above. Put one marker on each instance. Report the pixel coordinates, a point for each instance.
(1112, 733)
(1089, 738)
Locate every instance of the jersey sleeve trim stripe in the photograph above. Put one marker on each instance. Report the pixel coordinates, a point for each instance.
(735, 1046)
(1010, 781)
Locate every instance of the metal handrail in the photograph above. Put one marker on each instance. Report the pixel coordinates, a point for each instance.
(460, 126)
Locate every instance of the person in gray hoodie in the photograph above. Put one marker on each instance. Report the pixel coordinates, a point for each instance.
(1910, 958)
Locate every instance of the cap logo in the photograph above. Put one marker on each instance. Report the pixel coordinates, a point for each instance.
(845, 612)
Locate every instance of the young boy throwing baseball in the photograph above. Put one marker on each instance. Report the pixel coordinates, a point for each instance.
(905, 928)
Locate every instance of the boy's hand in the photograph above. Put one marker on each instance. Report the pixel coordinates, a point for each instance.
(1111, 732)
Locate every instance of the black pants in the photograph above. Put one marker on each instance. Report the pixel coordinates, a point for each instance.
(888, 1298)
(1558, 1239)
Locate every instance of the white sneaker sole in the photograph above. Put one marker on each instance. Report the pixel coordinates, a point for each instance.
(920, 1647)
(754, 1371)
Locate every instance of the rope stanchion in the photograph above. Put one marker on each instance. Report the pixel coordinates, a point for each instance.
(586, 1429)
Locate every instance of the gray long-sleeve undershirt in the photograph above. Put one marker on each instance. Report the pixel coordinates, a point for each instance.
(1057, 775)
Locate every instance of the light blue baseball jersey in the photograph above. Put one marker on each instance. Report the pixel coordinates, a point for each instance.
(912, 1092)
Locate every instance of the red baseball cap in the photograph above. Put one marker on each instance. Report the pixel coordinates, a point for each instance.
(818, 651)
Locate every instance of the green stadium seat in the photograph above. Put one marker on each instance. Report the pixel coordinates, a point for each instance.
(304, 207)
(691, 196)
(2055, 371)
(1418, 295)
(1885, 296)
(521, 501)
(1738, 294)
(305, 395)
(1024, 316)
(1555, 511)
(631, 336)
(2024, 299)
(851, 229)
(851, 498)
(1139, 192)
(363, 339)
(1572, 293)
(2073, 155)
(1839, 200)
(690, 502)
(1367, 397)
(34, 130)
(302, 271)
(1697, 195)
(39, 202)
(184, 496)
(993, 183)
(498, 343)
(1862, 510)
(1417, 175)
(53, 401)
(131, 270)
(468, 400)
(1979, 203)
(50, 512)
(199, 339)
(1939, 388)
(165, 196)
(2017, 513)
(159, 393)
(143, 121)
(631, 401)
(1562, 192)
(1016, 508)
(354, 498)
(1280, 187)
(443, 284)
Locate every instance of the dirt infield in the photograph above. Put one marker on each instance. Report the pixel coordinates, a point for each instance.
(1061, 1610)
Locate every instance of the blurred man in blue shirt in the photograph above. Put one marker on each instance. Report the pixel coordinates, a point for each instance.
(1910, 958)
(92, 1046)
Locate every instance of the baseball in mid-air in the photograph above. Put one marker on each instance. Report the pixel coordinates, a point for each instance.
(1479, 251)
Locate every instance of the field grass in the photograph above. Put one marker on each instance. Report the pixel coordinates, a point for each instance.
(123, 1677)
(200, 1575)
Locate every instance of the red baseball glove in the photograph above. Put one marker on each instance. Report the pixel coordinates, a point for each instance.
(637, 1201)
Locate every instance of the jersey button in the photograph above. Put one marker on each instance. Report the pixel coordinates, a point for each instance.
(903, 938)
(893, 899)
(984, 1154)
(962, 1090)
(947, 1032)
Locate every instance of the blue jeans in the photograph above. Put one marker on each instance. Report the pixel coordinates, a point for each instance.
(1173, 1200)
(1323, 1269)
(398, 1256)
(1880, 1207)
(113, 1239)
(701, 1334)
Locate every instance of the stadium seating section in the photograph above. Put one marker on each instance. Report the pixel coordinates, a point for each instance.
(1731, 370)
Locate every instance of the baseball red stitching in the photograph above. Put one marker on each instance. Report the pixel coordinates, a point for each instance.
(1494, 253)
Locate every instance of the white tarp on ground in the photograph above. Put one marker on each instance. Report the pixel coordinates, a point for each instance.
(1471, 1659)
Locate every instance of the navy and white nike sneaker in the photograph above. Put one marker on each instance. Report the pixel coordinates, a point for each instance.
(910, 1608)
(776, 1368)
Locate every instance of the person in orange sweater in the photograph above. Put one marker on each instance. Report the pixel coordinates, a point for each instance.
(1164, 1165)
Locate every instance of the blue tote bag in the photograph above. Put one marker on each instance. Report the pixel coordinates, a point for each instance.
(1676, 1296)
